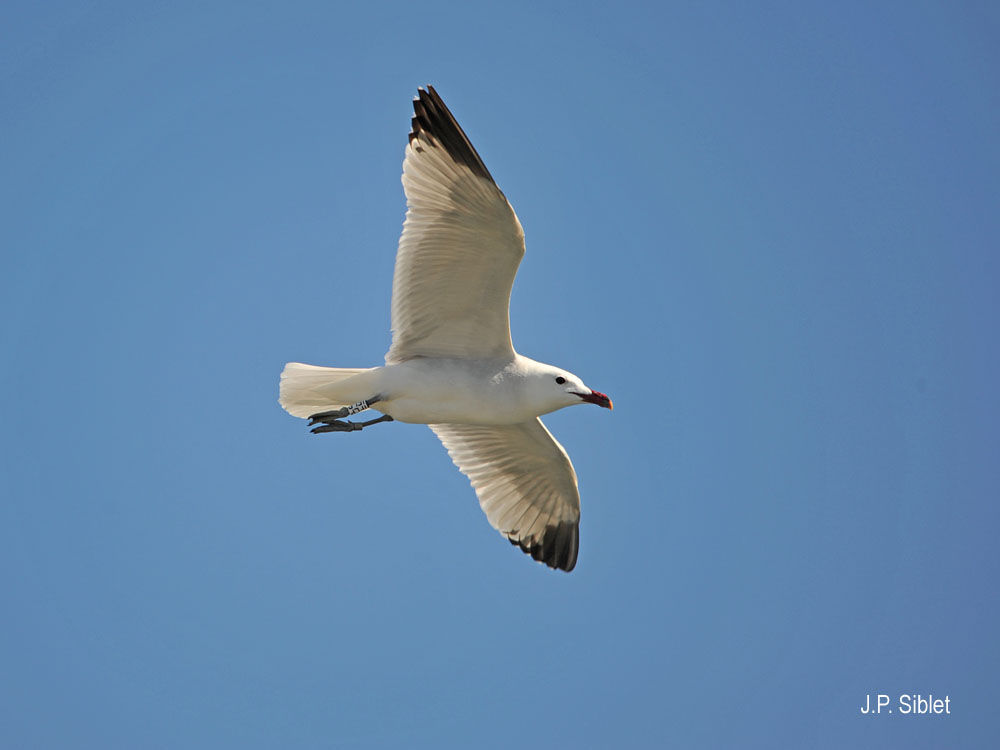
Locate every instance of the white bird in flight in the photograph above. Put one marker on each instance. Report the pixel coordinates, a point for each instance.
(452, 364)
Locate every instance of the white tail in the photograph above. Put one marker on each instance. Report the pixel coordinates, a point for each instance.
(308, 389)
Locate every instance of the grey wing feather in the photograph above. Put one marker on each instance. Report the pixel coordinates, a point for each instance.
(459, 250)
(525, 483)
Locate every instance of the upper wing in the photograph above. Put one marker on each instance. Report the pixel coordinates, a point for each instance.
(460, 247)
(525, 483)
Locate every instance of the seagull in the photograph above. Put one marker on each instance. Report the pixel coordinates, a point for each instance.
(452, 364)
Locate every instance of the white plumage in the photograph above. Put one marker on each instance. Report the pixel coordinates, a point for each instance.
(457, 257)
(525, 483)
(452, 363)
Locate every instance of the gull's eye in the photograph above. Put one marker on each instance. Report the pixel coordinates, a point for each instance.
(560, 379)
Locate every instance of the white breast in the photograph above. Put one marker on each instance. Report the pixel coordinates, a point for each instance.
(453, 391)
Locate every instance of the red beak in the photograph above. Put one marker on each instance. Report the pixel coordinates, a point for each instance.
(596, 397)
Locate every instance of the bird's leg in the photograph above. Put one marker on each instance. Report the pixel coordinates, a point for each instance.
(329, 421)
(335, 425)
(344, 411)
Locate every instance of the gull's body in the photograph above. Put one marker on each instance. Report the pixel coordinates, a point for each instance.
(446, 390)
(452, 364)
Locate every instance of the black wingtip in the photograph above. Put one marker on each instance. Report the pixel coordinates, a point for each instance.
(433, 123)
(557, 548)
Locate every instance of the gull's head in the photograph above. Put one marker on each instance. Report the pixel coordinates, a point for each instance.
(559, 388)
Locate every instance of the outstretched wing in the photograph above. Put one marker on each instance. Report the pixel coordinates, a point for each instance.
(526, 485)
(460, 248)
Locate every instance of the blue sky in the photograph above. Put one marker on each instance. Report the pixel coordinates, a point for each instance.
(768, 231)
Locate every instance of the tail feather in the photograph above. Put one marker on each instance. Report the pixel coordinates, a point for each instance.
(308, 389)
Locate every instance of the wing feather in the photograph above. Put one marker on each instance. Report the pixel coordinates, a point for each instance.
(460, 248)
(525, 483)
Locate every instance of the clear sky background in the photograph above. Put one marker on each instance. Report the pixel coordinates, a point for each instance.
(768, 230)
